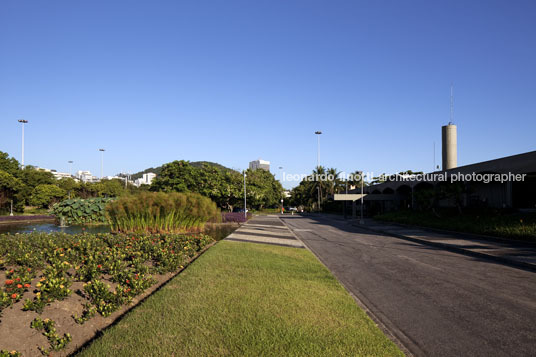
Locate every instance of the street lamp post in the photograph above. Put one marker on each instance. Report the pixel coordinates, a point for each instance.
(361, 221)
(126, 180)
(102, 163)
(245, 199)
(318, 133)
(22, 121)
(70, 167)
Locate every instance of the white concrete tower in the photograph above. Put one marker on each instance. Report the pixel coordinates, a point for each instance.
(449, 138)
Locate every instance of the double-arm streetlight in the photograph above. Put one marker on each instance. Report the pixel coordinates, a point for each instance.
(102, 163)
(22, 121)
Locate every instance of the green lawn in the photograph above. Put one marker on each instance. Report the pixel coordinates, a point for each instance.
(248, 299)
(521, 226)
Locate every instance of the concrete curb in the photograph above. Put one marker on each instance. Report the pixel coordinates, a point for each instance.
(455, 249)
(393, 333)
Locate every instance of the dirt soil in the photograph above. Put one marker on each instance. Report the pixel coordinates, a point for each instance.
(16, 333)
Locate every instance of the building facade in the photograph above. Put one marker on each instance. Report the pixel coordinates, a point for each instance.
(259, 164)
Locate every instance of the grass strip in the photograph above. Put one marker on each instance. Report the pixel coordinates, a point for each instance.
(519, 226)
(249, 300)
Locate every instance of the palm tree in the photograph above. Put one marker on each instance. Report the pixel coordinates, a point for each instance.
(319, 186)
(336, 184)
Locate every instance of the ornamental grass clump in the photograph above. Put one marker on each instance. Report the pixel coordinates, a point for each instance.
(159, 212)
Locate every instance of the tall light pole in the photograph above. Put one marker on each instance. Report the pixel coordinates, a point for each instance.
(102, 163)
(361, 221)
(22, 121)
(245, 202)
(70, 167)
(318, 133)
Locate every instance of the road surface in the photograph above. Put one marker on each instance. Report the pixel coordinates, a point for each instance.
(434, 302)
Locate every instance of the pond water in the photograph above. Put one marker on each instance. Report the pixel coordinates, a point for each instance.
(50, 227)
(217, 231)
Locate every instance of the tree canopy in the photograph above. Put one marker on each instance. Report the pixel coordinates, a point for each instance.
(222, 185)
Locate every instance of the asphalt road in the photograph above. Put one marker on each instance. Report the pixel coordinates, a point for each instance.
(434, 302)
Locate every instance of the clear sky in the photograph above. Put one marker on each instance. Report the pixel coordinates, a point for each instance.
(233, 81)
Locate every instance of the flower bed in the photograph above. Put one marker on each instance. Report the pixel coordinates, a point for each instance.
(68, 280)
(234, 217)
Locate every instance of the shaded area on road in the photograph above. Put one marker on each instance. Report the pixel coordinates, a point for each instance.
(436, 302)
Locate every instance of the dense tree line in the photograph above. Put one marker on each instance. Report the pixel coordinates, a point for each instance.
(224, 186)
(324, 183)
(32, 187)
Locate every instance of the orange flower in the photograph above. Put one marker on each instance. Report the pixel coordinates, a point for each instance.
(14, 296)
(26, 285)
(19, 286)
(9, 282)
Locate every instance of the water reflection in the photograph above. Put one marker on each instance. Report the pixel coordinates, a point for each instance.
(217, 231)
(51, 227)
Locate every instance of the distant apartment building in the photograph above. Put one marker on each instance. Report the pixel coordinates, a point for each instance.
(146, 179)
(86, 176)
(57, 175)
(259, 164)
(60, 175)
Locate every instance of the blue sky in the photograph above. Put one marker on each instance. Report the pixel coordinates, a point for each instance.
(233, 81)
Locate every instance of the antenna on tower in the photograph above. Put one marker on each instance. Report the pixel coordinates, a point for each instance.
(451, 103)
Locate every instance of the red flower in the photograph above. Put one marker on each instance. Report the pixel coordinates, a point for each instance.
(14, 296)
(128, 281)
(99, 266)
(18, 279)
(19, 286)
(26, 285)
(29, 269)
(9, 282)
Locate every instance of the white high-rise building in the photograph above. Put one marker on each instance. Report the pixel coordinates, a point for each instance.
(259, 164)
(146, 179)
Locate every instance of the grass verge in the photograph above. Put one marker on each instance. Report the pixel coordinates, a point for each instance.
(247, 299)
(519, 226)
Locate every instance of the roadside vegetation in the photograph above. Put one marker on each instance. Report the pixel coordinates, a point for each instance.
(322, 183)
(223, 186)
(36, 191)
(504, 224)
(158, 212)
(42, 273)
(242, 299)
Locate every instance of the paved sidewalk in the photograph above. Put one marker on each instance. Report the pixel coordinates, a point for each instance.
(514, 253)
(265, 229)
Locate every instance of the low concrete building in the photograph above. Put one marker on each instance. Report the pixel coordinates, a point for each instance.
(508, 182)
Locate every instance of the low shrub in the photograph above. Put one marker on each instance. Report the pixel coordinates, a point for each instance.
(82, 211)
(159, 212)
